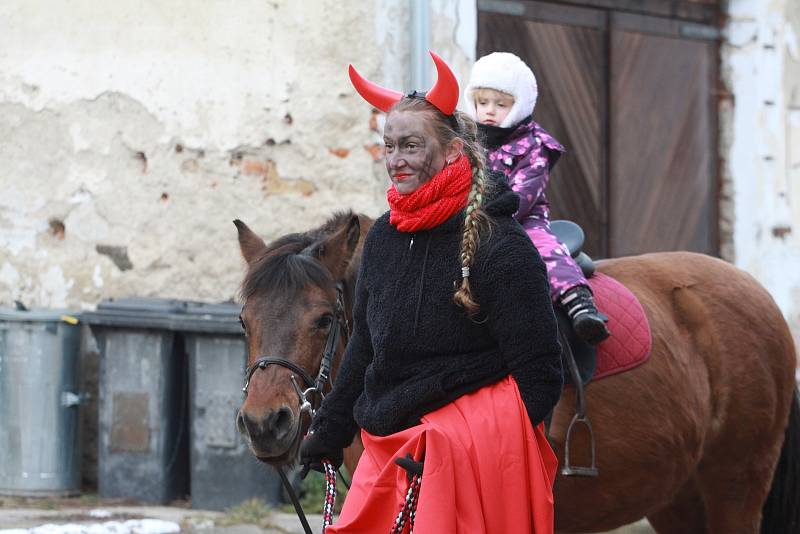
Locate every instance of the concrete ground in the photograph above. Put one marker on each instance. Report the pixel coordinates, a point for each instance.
(18, 515)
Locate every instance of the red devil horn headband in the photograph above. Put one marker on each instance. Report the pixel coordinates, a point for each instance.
(443, 94)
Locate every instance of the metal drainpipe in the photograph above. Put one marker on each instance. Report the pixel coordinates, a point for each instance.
(420, 44)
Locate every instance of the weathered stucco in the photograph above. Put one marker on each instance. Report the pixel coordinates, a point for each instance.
(134, 133)
(761, 146)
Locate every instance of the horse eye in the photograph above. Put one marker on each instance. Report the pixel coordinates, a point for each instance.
(324, 322)
(241, 322)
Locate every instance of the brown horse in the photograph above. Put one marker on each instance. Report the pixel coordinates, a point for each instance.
(690, 440)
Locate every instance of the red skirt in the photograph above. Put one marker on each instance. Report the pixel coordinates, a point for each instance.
(487, 470)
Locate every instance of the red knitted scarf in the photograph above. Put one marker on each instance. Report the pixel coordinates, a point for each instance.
(433, 202)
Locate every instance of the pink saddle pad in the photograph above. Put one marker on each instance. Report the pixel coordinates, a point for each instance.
(630, 342)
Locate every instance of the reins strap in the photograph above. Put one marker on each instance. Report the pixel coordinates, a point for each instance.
(295, 501)
(327, 356)
(338, 326)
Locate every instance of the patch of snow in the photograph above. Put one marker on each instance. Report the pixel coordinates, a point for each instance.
(133, 526)
(99, 513)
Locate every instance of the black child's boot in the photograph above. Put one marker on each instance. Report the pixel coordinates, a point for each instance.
(589, 324)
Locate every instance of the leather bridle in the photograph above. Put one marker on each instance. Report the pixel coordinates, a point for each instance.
(315, 389)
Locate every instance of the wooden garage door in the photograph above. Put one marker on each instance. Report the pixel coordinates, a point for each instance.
(631, 98)
(662, 147)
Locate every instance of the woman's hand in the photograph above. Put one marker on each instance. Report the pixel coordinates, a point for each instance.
(314, 449)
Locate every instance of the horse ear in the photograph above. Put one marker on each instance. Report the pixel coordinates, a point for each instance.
(337, 250)
(252, 246)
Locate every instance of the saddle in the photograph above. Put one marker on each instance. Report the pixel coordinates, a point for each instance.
(629, 345)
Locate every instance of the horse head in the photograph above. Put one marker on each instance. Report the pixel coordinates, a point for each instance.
(297, 297)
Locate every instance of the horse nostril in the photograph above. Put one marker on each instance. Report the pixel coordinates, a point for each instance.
(276, 426)
(243, 425)
(280, 422)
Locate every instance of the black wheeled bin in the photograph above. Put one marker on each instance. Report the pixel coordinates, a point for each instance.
(143, 400)
(223, 470)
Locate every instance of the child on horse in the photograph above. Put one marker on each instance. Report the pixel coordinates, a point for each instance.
(454, 359)
(501, 96)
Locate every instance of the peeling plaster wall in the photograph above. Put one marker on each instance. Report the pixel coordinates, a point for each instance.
(760, 125)
(133, 133)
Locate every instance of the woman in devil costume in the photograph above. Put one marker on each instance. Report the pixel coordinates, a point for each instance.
(454, 359)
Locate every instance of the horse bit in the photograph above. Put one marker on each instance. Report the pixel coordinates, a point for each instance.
(314, 388)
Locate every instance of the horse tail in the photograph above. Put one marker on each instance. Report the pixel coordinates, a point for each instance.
(781, 513)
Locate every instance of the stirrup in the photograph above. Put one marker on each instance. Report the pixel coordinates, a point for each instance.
(580, 417)
(578, 471)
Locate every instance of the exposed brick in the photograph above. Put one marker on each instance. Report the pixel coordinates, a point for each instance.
(376, 151)
(339, 152)
(253, 167)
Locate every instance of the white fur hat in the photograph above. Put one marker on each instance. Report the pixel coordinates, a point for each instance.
(503, 71)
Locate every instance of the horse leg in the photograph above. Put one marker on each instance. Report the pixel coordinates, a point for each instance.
(720, 501)
(684, 514)
(734, 498)
(734, 483)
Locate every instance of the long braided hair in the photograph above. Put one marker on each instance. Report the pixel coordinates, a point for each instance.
(476, 222)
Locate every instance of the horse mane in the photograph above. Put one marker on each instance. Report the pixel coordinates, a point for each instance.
(283, 267)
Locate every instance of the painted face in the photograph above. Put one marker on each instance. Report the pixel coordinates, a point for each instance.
(492, 106)
(413, 154)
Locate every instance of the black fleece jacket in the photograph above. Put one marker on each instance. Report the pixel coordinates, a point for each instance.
(414, 350)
